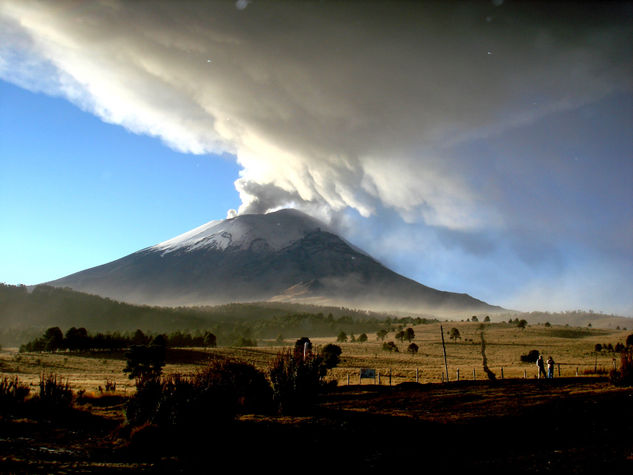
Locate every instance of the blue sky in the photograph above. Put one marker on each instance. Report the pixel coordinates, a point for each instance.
(76, 192)
(480, 147)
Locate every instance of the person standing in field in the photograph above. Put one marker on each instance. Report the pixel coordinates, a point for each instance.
(550, 367)
(541, 366)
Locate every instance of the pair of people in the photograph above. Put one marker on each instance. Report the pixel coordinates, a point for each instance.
(541, 367)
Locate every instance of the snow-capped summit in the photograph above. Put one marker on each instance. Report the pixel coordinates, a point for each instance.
(273, 231)
(285, 255)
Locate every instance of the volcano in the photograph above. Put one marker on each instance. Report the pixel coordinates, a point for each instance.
(281, 256)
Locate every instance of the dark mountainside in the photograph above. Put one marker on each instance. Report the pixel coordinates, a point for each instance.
(25, 315)
(281, 256)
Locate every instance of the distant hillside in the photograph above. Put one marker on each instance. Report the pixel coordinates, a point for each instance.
(24, 314)
(573, 318)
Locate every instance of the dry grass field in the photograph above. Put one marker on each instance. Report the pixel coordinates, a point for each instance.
(572, 350)
(569, 425)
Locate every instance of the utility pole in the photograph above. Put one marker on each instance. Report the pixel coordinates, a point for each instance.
(444, 349)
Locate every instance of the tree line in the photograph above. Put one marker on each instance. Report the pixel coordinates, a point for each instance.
(78, 339)
(22, 310)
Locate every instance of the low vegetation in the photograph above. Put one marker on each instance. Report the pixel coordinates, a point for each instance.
(623, 376)
(227, 394)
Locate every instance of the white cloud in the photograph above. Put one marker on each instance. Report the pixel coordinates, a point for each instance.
(337, 105)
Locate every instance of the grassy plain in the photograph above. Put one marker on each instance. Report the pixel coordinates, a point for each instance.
(568, 425)
(571, 347)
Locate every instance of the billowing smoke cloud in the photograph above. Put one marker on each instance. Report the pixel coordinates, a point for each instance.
(336, 106)
(331, 105)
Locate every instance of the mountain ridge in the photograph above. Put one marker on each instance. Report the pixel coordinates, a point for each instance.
(281, 256)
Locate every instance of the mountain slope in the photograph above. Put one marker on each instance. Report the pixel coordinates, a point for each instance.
(282, 256)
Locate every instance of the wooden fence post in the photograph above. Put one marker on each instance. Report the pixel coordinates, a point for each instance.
(576, 371)
(457, 374)
(417, 376)
(525, 374)
(502, 372)
(378, 377)
(559, 370)
(348, 379)
(474, 375)
(444, 350)
(389, 376)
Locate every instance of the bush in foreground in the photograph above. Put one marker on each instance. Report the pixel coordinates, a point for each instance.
(624, 375)
(296, 380)
(54, 393)
(12, 393)
(209, 398)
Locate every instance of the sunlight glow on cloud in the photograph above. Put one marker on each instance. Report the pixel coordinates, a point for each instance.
(336, 106)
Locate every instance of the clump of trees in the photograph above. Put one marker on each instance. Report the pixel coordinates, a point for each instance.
(519, 323)
(617, 348)
(78, 339)
(407, 334)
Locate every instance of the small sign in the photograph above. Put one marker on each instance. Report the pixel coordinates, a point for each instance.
(368, 373)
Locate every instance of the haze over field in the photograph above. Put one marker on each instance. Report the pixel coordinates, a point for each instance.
(477, 147)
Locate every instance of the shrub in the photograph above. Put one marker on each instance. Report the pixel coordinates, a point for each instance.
(12, 393)
(531, 357)
(624, 375)
(390, 346)
(210, 397)
(303, 346)
(412, 348)
(244, 341)
(145, 363)
(54, 393)
(296, 381)
(247, 385)
(331, 355)
(454, 334)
